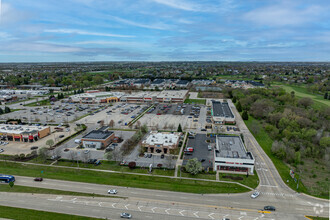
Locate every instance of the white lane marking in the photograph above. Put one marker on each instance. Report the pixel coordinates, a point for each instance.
(195, 214)
(139, 208)
(58, 198)
(100, 204)
(126, 206)
(243, 213)
(167, 211)
(113, 205)
(181, 212)
(241, 217)
(268, 186)
(210, 215)
(153, 209)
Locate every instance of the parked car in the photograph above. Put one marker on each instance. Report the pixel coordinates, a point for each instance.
(61, 136)
(112, 191)
(34, 148)
(55, 157)
(125, 215)
(98, 162)
(66, 149)
(269, 208)
(38, 179)
(2, 150)
(255, 194)
(86, 151)
(149, 155)
(162, 156)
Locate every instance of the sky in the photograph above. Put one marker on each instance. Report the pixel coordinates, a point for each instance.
(164, 30)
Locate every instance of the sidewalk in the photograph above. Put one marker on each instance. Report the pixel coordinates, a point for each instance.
(180, 161)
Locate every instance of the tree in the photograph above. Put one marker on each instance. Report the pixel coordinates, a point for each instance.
(43, 153)
(292, 94)
(305, 102)
(111, 123)
(193, 166)
(132, 165)
(245, 116)
(179, 128)
(11, 184)
(108, 156)
(50, 142)
(234, 99)
(239, 106)
(326, 95)
(7, 109)
(1, 111)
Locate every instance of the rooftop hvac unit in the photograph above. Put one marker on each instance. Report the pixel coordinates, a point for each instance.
(230, 142)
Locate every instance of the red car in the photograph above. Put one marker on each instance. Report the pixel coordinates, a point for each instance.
(38, 179)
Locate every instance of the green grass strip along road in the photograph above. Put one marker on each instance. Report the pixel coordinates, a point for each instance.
(23, 214)
(28, 189)
(195, 101)
(121, 179)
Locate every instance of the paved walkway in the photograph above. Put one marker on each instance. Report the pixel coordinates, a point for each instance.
(179, 160)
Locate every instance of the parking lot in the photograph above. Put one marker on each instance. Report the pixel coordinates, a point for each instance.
(201, 150)
(52, 114)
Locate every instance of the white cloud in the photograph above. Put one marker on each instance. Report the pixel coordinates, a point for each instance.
(180, 4)
(283, 15)
(159, 26)
(82, 32)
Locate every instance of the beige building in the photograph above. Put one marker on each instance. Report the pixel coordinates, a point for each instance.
(161, 142)
(23, 133)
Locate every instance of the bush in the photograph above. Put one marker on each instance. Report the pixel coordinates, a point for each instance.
(159, 165)
(132, 165)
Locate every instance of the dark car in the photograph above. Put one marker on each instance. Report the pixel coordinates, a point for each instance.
(269, 208)
(61, 136)
(203, 129)
(149, 155)
(162, 156)
(34, 148)
(38, 179)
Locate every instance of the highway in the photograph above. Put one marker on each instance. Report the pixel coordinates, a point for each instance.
(164, 204)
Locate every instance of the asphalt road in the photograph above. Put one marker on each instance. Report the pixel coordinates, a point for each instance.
(233, 206)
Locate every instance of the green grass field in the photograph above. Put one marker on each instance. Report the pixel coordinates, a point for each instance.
(27, 189)
(195, 101)
(23, 214)
(120, 179)
(302, 92)
(316, 218)
(251, 181)
(41, 103)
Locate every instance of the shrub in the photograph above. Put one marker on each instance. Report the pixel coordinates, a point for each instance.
(132, 165)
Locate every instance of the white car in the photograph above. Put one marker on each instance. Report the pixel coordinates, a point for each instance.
(125, 215)
(86, 151)
(2, 150)
(112, 191)
(255, 194)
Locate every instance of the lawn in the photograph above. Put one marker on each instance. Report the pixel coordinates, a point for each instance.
(112, 165)
(41, 103)
(266, 143)
(302, 92)
(195, 101)
(251, 181)
(316, 218)
(207, 176)
(27, 189)
(23, 214)
(121, 179)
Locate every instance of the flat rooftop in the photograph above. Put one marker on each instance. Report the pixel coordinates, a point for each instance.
(221, 109)
(98, 135)
(19, 129)
(231, 147)
(159, 138)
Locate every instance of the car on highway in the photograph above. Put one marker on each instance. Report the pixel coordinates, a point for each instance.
(269, 208)
(38, 179)
(125, 215)
(2, 150)
(255, 194)
(112, 191)
(86, 151)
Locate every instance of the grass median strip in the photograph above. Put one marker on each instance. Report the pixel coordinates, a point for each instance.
(28, 189)
(119, 179)
(23, 214)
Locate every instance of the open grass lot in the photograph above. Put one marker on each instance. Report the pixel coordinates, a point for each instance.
(251, 181)
(27, 189)
(197, 176)
(316, 218)
(41, 103)
(266, 143)
(302, 92)
(119, 179)
(23, 214)
(195, 101)
(112, 165)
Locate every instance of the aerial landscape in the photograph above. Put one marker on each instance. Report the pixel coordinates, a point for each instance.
(164, 109)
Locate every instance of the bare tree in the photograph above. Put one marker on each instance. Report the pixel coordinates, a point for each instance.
(169, 161)
(171, 127)
(86, 157)
(111, 124)
(72, 155)
(117, 154)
